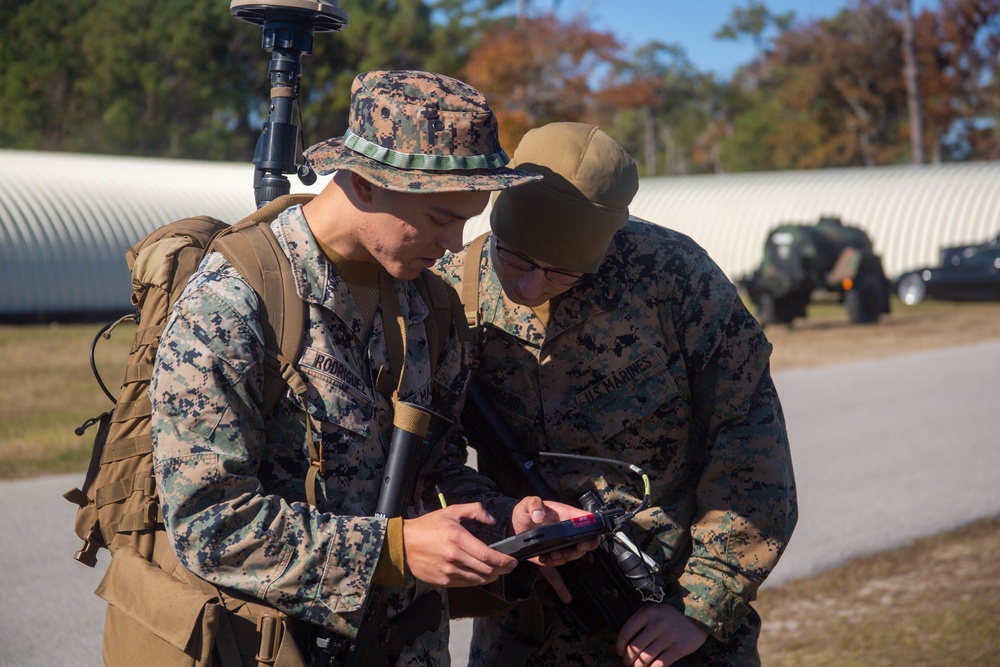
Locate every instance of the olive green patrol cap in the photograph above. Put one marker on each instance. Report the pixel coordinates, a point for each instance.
(567, 219)
(413, 131)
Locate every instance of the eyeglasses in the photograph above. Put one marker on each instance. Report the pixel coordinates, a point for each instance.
(522, 263)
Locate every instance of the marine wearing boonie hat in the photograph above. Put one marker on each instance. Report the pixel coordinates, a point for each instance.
(414, 131)
(567, 219)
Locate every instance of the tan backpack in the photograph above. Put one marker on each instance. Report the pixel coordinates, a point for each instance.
(158, 613)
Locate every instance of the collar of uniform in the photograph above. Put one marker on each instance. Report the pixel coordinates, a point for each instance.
(497, 311)
(318, 284)
(609, 289)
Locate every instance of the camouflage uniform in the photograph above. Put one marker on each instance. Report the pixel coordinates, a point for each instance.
(233, 485)
(654, 362)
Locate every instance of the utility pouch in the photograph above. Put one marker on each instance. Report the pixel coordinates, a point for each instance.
(154, 619)
(261, 636)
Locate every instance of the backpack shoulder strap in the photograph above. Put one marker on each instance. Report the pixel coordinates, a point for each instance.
(251, 247)
(388, 382)
(470, 279)
(445, 309)
(272, 210)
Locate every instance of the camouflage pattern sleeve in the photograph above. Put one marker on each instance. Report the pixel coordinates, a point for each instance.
(746, 502)
(208, 450)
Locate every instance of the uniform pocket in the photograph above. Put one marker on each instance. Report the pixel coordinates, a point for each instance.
(337, 394)
(454, 368)
(154, 619)
(626, 396)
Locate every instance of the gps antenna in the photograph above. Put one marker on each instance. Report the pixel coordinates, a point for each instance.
(288, 27)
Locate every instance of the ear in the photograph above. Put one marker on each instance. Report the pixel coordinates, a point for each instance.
(364, 191)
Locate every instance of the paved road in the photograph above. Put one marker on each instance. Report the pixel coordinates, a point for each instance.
(884, 451)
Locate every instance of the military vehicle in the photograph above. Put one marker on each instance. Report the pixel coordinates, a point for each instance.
(803, 261)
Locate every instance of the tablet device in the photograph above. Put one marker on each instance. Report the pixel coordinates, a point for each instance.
(551, 537)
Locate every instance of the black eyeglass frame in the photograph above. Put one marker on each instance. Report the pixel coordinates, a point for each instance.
(505, 253)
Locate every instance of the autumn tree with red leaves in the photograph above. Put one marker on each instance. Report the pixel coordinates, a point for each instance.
(538, 69)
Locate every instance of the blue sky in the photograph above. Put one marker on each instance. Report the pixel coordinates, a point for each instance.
(691, 24)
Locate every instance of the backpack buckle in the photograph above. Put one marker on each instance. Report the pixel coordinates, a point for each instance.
(88, 554)
(152, 512)
(269, 633)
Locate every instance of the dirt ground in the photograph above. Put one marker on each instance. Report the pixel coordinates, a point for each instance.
(826, 336)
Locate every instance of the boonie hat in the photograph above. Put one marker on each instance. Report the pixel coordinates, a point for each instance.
(413, 131)
(568, 218)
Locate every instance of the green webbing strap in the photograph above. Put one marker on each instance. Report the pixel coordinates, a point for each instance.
(423, 160)
(470, 279)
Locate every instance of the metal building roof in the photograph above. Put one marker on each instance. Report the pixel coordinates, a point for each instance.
(66, 219)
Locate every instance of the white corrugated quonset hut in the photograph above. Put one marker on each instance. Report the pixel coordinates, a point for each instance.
(65, 219)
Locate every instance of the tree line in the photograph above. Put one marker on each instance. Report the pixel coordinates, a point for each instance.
(875, 84)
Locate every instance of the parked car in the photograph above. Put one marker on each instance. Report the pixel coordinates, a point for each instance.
(966, 273)
(955, 254)
(829, 256)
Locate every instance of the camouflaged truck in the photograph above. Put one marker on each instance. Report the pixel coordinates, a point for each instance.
(801, 261)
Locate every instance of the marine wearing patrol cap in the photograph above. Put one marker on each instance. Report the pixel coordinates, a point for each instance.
(414, 131)
(567, 220)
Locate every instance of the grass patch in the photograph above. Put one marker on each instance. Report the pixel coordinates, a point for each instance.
(934, 603)
(47, 390)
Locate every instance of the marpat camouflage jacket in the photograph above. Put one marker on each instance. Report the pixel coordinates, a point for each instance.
(233, 486)
(654, 362)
